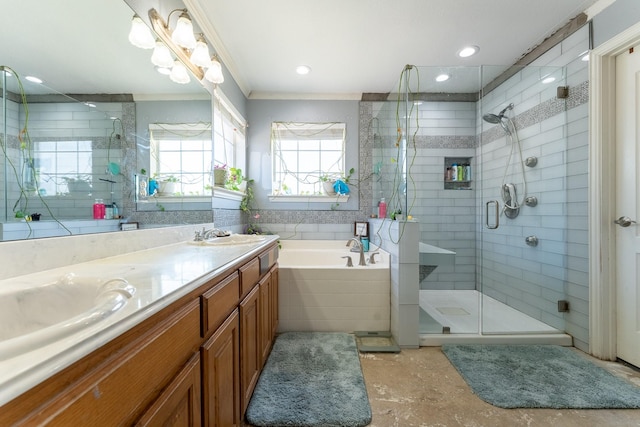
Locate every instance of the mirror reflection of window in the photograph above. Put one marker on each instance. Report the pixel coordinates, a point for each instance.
(181, 154)
(60, 168)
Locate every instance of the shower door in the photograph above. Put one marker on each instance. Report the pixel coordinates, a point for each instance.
(525, 174)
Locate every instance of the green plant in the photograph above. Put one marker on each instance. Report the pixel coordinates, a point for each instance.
(234, 179)
(170, 178)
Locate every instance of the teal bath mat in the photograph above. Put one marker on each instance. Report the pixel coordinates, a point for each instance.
(539, 376)
(311, 379)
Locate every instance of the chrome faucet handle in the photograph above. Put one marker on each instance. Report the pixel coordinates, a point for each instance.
(349, 261)
(372, 259)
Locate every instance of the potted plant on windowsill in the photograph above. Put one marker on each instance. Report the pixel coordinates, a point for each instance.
(219, 175)
(235, 180)
(168, 185)
(327, 184)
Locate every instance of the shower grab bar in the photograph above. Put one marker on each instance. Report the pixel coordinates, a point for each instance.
(497, 223)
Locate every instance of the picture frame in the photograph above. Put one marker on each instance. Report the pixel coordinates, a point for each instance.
(361, 229)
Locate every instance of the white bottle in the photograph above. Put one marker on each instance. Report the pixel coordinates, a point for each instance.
(454, 172)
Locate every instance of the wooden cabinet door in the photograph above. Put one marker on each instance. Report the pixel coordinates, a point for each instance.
(249, 345)
(221, 375)
(179, 404)
(275, 302)
(265, 318)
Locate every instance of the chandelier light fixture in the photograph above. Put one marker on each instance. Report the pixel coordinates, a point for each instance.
(140, 35)
(178, 50)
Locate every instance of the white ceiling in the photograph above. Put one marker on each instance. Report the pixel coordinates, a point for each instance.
(352, 46)
(356, 46)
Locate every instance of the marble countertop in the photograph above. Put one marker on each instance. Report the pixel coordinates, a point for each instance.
(161, 276)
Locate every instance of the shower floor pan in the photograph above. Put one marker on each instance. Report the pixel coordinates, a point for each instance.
(452, 317)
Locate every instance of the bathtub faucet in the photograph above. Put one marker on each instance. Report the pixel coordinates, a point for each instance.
(358, 245)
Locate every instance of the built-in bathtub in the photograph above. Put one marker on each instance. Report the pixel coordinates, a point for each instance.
(318, 292)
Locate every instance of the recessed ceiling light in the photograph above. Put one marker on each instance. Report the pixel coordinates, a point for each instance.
(468, 51)
(417, 102)
(548, 80)
(303, 69)
(442, 77)
(33, 79)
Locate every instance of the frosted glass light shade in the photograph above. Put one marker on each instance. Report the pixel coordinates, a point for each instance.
(183, 34)
(161, 56)
(200, 55)
(179, 73)
(214, 73)
(140, 35)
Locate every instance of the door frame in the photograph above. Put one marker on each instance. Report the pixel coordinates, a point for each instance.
(602, 196)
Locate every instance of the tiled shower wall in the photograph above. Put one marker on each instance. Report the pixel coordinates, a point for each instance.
(533, 279)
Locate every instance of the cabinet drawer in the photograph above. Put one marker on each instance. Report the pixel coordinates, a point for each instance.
(249, 276)
(268, 259)
(218, 302)
(117, 392)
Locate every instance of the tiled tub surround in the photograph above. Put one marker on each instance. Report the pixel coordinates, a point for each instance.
(319, 293)
(163, 265)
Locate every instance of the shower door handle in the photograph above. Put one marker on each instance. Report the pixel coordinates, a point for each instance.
(497, 214)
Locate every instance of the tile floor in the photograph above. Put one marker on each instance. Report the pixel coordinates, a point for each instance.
(421, 388)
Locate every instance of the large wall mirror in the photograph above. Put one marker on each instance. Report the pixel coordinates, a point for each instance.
(84, 132)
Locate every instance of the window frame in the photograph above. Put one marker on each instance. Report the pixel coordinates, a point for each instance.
(295, 134)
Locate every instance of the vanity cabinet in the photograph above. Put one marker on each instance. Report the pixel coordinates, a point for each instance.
(195, 362)
(117, 391)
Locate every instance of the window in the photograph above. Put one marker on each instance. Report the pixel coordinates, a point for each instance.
(182, 153)
(306, 154)
(59, 167)
(228, 136)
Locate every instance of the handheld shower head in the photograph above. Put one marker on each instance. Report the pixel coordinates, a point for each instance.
(508, 107)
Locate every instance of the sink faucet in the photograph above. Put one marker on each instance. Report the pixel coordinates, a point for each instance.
(358, 245)
(208, 234)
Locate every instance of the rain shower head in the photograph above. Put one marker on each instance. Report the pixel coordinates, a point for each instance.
(492, 118)
(499, 118)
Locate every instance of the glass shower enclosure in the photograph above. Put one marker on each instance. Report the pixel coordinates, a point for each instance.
(478, 156)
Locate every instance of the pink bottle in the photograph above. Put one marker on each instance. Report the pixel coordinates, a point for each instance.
(98, 209)
(382, 208)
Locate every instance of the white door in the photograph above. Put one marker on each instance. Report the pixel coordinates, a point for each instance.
(627, 200)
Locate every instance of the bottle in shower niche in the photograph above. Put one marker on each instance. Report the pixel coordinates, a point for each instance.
(467, 172)
(454, 172)
(382, 208)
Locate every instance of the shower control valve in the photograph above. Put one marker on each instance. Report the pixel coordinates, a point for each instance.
(531, 201)
(531, 240)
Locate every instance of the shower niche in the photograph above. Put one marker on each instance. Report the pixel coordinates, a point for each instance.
(457, 173)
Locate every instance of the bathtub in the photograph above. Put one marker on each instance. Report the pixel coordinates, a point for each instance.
(318, 292)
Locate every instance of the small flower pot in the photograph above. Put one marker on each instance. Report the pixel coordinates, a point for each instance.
(219, 177)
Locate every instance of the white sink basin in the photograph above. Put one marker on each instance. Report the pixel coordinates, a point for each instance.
(33, 317)
(233, 239)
